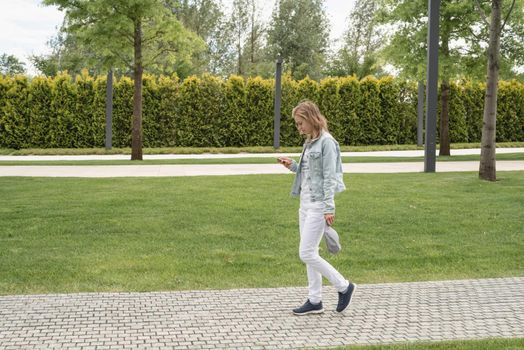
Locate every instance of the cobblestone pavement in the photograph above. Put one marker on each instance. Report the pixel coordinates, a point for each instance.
(262, 318)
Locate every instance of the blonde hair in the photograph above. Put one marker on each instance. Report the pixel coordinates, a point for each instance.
(310, 112)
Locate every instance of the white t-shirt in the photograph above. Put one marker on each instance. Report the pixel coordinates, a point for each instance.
(305, 185)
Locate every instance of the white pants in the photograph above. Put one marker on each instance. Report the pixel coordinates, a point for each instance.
(312, 225)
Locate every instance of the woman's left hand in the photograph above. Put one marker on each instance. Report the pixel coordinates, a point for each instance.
(330, 218)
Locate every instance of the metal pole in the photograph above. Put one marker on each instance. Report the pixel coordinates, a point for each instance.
(432, 85)
(109, 110)
(420, 114)
(278, 97)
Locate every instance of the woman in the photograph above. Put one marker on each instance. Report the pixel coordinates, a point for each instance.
(318, 178)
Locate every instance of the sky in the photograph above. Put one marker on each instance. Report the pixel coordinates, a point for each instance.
(26, 26)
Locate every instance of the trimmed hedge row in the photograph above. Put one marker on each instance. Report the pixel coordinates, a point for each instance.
(210, 112)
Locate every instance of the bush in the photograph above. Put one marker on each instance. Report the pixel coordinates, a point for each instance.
(458, 130)
(208, 111)
(473, 101)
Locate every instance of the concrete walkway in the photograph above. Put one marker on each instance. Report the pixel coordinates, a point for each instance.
(170, 170)
(414, 153)
(262, 318)
(231, 169)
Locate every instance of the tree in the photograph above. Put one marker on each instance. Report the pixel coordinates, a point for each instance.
(45, 64)
(206, 19)
(254, 55)
(299, 32)
(408, 46)
(68, 54)
(358, 55)
(10, 65)
(129, 33)
(460, 51)
(511, 41)
(239, 25)
(222, 60)
(487, 168)
(247, 34)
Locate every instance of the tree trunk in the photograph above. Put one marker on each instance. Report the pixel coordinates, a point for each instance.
(253, 19)
(487, 168)
(136, 136)
(239, 49)
(444, 87)
(444, 119)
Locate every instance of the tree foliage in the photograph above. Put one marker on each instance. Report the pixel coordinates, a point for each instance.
(106, 29)
(299, 32)
(10, 65)
(206, 19)
(464, 38)
(254, 59)
(362, 39)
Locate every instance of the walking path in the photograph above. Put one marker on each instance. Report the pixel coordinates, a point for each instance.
(235, 169)
(413, 153)
(262, 318)
(232, 169)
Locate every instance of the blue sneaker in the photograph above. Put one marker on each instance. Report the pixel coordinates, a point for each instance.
(344, 299)
(309, 308)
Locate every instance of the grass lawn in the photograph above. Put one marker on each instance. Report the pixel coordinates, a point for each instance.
(252, 160)
(151, 234)
(484, 344)
(258, 149)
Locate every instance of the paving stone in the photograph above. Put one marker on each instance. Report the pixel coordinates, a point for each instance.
(380, 313)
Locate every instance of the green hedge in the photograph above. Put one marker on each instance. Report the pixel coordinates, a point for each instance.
(208, 111)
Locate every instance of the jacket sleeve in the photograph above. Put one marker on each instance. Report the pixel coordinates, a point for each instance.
(329, 161)
(294, 166)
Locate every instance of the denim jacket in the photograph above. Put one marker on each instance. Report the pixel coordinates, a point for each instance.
(325, 166)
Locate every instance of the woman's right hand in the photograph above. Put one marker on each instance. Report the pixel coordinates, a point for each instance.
(285, 161)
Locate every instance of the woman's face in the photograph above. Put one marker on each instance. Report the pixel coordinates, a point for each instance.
(303, 126)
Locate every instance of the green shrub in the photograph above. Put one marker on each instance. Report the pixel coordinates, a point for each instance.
(208, 111)
(14, 112)
(458, 130)
(510, 101)
(235, 102)
(349, 95)
(473, 101)
(369, 113)
(122, 112)
(259, 111)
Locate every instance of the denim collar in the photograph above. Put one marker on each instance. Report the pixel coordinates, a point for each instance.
(312, 141)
